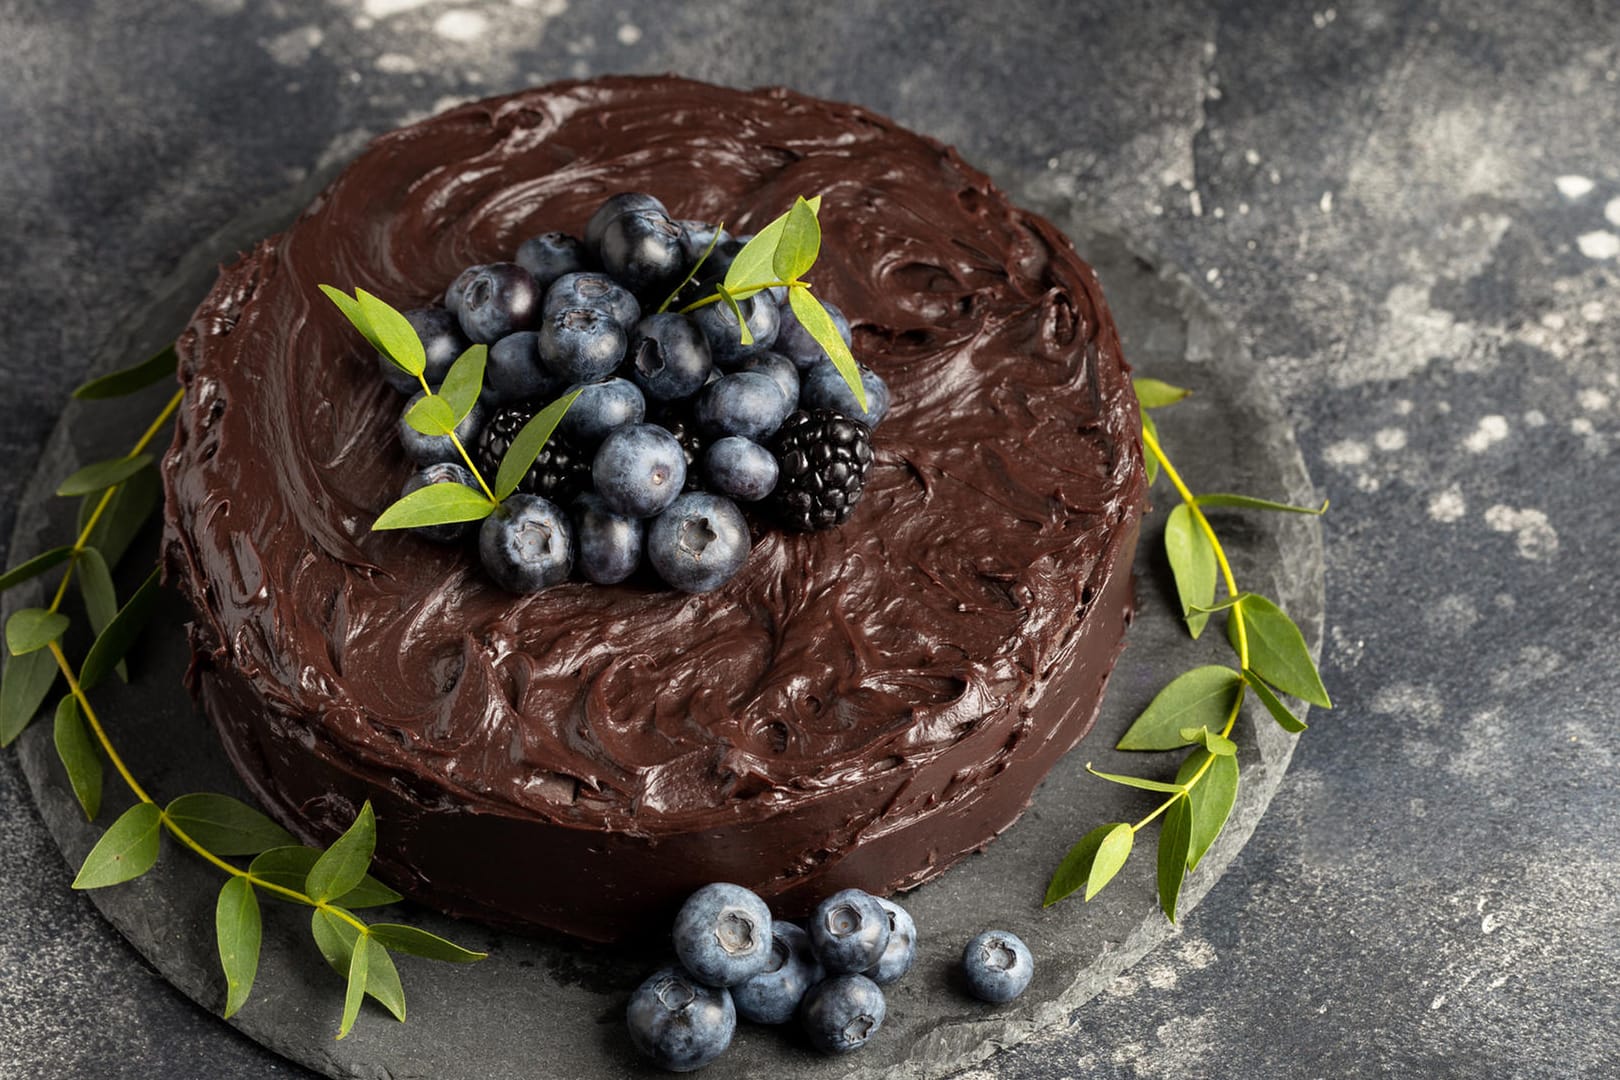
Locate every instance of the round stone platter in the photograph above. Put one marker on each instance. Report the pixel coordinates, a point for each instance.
(550, 1008)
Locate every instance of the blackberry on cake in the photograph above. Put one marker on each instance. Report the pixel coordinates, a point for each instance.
(823, 458)
(561, 472)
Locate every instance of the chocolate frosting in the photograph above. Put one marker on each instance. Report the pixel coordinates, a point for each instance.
(861, 706)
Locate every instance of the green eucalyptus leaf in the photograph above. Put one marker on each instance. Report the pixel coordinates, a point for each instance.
(382, 980)
(31, 629)
(80, 758)
(23, 687)
(1279, 712)
(464, 382)
(1150, 460)
(334, 937)
(1135, 781)
(799, 244)
(1212, 741)
(417, 942)
(1071, 874)
(819, 325)
(1192, 561)
(1201, 697)
(1248, 502)
(432, 415)
(128, 849)
(289, 867)
(356, 314)
(226, 826)
(128, 508)
(1111, 855)
(359, 964)
(397, 337)
(237, 931)
(343, 865)
(1210, 800)
(26, 571)
(103, 475)
(100, 595)
(756, 261)
(1156, 394)
(1277, 650)
(528, 442)
(1174, 836)
(113, 643)
(159, 366)
(436, 504)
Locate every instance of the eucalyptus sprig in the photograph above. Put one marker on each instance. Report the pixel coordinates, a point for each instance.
(119, 496)
(1201, 707)
(439, 412)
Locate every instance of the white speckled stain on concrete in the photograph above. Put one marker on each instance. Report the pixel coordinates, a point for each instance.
(461, 25)
(1533, 534)
(1448, 506)
(1574, 187)
(1491, 430)
(295, 46)
(1598, 244)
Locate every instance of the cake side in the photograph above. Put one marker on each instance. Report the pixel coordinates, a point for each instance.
(857, 707)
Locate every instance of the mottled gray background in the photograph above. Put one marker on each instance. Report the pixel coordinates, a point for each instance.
(1411, 211)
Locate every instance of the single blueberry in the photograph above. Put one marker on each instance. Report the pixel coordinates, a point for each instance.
(825, 388)
(773, 996)
(527, 545)
(745, 403)
(669, 357)
(842, 1013)
(998, 966)
(581, 344)
(444, 472)
(623, 203)
(609, 543)
(794, 341)
(639, 470)
(601, 408)
(850, 930)
(499, 299)
(593, 290)
(696, 237)
(781, 371)
(458, 288)
(699, 543)
(642, 250)
(513, 371)
(719, 325)
(431, 449)
(679, 1024)
(442, 341)
(901, 952)
(549, 256)
(739, 468)
(723, 934)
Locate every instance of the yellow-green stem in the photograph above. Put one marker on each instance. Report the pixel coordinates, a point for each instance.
(715, 298)
(455, 441)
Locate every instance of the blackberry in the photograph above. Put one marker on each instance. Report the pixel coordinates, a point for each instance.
(684, 428)
(824, 458)
(561, 471)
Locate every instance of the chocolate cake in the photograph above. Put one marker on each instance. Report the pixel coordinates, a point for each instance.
(861, 706)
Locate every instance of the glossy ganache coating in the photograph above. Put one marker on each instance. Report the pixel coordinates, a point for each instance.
(858, 707)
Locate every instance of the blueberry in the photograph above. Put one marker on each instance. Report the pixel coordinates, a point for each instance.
(639, 470)
(901, 952)
(444, 472)
(794, 341)
(719, 325)
(825, 388)
(499, 299)
(723, 934)
(609, 544)
(850, 930)
(842, 1013)
(642, 249)
(549, 256)
(696, 237)
(601, 408)
(581, 344)
(593, 290)
(781, 371)
(623, 203)
(669, 357)
(679, 1024)
(699, 543)
(442, 341)
(513, 371)
(998, 966)
(773, 996)
(527, 545)
(458, 287)
(741, 469)
(745, 403)
(431, 449)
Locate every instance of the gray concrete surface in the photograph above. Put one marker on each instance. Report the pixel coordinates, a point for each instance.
(1408, 210)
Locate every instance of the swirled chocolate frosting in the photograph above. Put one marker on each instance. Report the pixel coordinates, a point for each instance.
(858, 707)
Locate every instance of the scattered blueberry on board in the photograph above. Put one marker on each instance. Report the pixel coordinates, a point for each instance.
(998, 966)
(850, 930)
(842, 1013)
(678, 1023)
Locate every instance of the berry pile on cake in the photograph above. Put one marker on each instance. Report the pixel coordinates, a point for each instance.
(858, 706)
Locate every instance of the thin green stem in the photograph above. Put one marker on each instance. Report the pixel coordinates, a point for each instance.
(455, 440)
(750, 290)
(692, 273)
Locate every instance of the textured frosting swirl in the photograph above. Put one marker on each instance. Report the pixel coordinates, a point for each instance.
(845, 685)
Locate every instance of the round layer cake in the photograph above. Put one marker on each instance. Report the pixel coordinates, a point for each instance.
(861, 706)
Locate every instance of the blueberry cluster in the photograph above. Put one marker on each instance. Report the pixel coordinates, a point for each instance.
(735, 960)
(677, 424)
